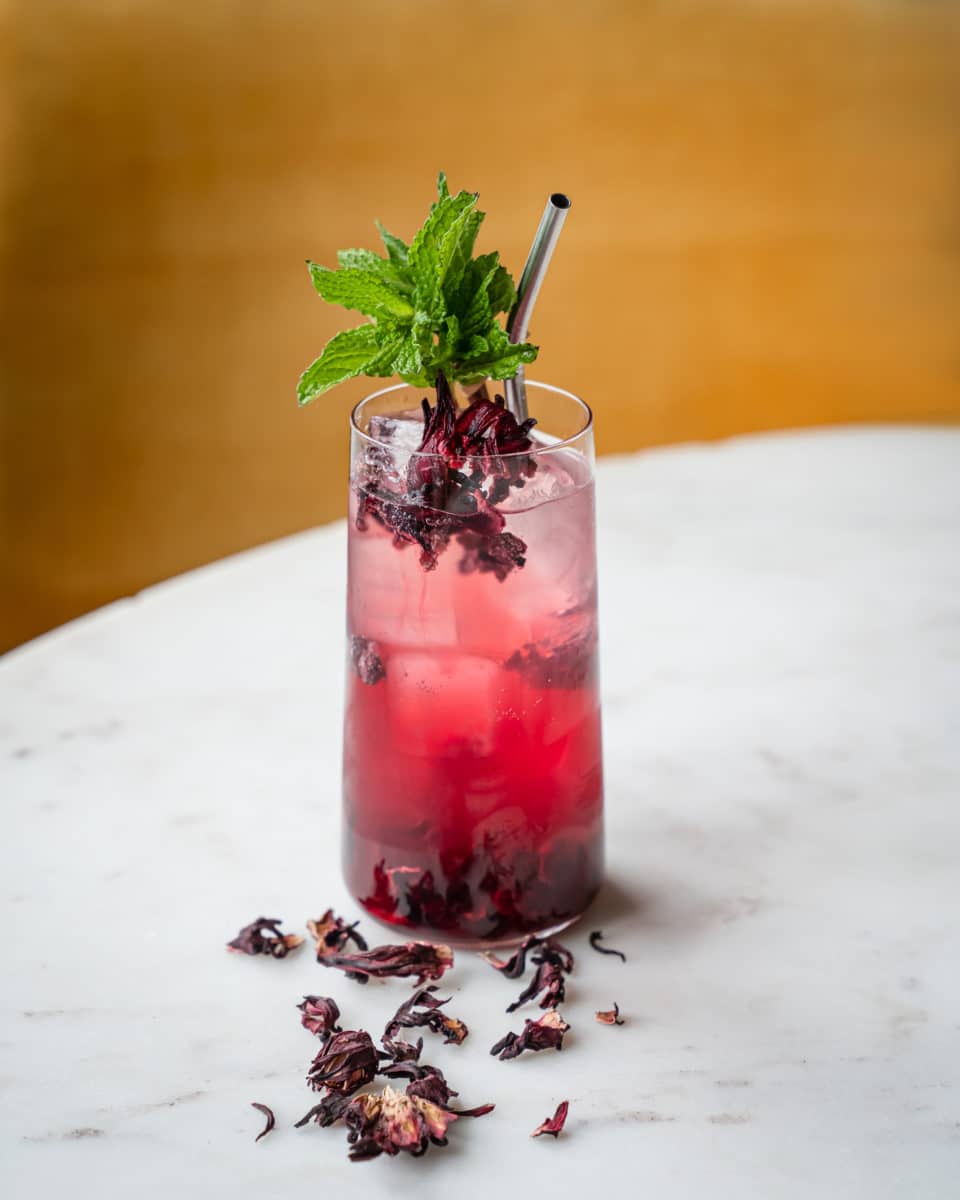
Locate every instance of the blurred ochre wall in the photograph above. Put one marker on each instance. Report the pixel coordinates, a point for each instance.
(765, 233)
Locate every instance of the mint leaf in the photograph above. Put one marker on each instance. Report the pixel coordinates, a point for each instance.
(456, 250)
(364, 260)
(433, 306)
(344, 356)
(362, 290)
(501, 291)
(427, 266)
(397, 249)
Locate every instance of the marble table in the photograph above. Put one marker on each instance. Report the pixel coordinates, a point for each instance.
(781, 649)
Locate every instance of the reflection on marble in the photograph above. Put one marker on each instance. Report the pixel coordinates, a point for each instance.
(781, 641)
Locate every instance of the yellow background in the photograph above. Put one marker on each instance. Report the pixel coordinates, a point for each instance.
(765, 233)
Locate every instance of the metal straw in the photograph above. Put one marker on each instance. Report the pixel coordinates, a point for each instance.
(554, 215)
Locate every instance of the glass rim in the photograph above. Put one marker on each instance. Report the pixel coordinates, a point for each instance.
(533, 452)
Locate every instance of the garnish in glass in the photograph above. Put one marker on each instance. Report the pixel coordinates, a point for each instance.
(432, 307)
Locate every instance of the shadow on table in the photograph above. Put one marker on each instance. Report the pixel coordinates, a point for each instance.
(677, 911)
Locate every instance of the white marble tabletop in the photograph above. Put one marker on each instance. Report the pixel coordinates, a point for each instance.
(781, 649)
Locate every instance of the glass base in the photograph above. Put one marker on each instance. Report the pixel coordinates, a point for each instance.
(406, 933)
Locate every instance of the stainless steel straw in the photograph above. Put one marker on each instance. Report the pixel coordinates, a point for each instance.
(554, 215)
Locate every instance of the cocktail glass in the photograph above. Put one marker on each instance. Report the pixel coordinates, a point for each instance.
(472, 775)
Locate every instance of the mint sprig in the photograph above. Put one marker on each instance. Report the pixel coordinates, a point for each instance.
(433, 307)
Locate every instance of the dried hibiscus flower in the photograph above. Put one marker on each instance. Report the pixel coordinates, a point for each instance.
(466, 464)
(596, 938)
(396, 1050)
(611, 1017)
(546, 1033)
(320, 1015)
(271, 1119)
(348, 1061)
(263, 936)
(330, 1110)
(548, 979)
(431, 1085)
(331, 934)
(390, 1122)
(552, 961)
(514, 966)
(553, 1125)
(422, 1010)
(422, 959)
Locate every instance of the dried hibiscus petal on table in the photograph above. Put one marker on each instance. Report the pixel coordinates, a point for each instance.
(553, 1125)
(596, 938)
(422, 1010)
(514, 966)
(331, 933)
(320, 1015)
(546, 1033)
(263, 936)
(396, 1050)
(610, 1017)
(330, 1110)
(552, 961)
(348, 1061)
(422, 959)
(268, 1113)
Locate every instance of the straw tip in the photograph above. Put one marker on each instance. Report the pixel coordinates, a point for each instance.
(559, 200)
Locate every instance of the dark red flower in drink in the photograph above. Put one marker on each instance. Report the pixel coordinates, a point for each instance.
(553, 1125)
(498, 553)
(366, 660)
(610, 1016)
(348, 1061)
(546, 1033)
(488, 426)
(263, 936)
(422, 1010)
(320, 1015)
(465, 465)
(422, 959)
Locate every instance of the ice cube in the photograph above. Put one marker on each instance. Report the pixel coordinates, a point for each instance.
(444, 704)
(402, 430)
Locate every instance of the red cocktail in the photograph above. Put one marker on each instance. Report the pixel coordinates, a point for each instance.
(472, 758)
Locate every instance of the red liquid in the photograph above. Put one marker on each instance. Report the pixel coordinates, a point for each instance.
(472, 757)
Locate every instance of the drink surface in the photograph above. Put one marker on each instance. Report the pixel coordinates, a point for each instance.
(472, 764)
